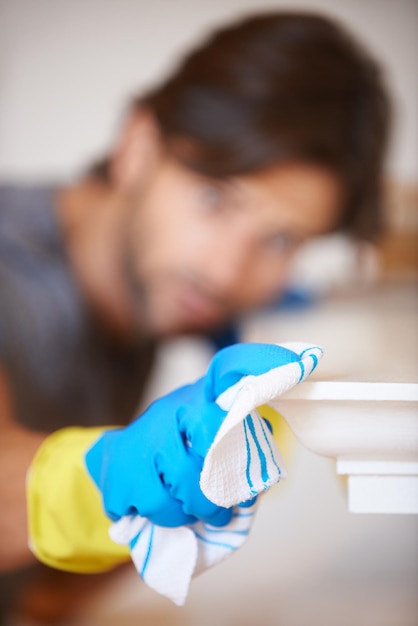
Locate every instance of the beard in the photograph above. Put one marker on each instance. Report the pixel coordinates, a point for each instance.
(161, 304)
(168, 299)
(137, 293)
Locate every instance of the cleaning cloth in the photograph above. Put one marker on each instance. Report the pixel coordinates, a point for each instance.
(242, 462)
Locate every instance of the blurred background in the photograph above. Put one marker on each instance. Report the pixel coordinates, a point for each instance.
(67, 70)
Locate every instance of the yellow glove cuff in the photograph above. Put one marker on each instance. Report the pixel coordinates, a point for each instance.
(68, 528)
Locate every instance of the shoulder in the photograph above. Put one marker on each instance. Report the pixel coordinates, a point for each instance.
(36, 285)
(26, 216)
(29, 243)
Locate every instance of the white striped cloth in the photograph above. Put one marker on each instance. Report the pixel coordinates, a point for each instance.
(242, 462)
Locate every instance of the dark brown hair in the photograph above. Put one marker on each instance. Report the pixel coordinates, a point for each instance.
(280, 87)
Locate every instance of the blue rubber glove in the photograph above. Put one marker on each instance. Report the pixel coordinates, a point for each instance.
(152, 467)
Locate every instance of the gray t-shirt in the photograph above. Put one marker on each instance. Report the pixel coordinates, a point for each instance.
(63, 368)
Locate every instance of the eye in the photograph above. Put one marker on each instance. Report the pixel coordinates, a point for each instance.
(281, 243)
(212, 196)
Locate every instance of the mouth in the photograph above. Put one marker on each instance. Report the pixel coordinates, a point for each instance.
(199, 308)
(175, 304)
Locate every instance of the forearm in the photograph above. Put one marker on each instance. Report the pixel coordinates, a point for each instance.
(17, 449)
(50, 507)
(67, 527)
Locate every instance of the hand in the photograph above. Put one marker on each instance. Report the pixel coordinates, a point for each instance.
(152, 467)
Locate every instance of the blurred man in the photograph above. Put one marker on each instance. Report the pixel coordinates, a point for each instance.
(269, 134)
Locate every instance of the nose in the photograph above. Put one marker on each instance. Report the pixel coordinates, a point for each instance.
(229, 264)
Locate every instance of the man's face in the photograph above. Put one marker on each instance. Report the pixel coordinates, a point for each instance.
(200, 251)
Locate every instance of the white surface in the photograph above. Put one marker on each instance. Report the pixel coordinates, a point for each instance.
(341, 391)
(363, 421)
(372, 468)
(383, 494)
(370, 429)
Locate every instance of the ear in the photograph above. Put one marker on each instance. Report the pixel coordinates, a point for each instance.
(137, 151)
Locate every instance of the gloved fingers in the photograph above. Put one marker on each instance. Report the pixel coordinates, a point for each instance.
(198, 425)
(152, 500)
(94, 459)
(247, 503)
(222, 517)
(232, 363)
(171, 516)
(183, 482)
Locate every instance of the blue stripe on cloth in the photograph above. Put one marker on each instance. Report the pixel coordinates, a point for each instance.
(309, 349)
(218, 531)
(312, 355)
(261, 455)
(147, 557)
(302, 370)
(264, 427)
(220, 544)
(247, 470)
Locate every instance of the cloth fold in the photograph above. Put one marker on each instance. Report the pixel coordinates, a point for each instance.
(242, 462)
